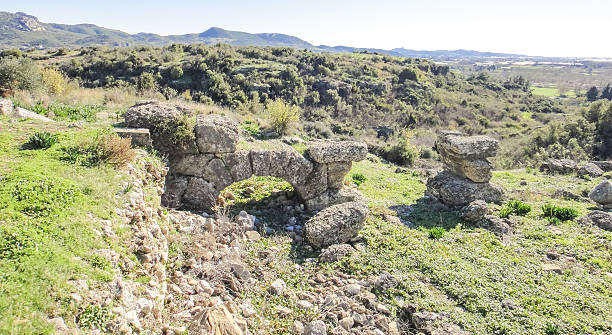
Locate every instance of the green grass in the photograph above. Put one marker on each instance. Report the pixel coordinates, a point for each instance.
(48, 211)
(550, 92)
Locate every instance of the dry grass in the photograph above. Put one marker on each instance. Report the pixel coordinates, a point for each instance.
(116, 150)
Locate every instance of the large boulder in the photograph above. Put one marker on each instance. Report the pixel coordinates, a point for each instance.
(606, 166)
(216, 134)
(336, 224)
(475, 211)
(602, 194)
(466, 156)
(600, 219)
(6, 107)
(456, 191)
(163, 122)
(326, 151)
(22, 113)
(591, 170)
(559, 166)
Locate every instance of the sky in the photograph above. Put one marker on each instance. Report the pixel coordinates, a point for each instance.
(563, 28)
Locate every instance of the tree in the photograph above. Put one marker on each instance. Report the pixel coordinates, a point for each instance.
(19, 74)
(592, 94)
(146, 82)
(607, 92)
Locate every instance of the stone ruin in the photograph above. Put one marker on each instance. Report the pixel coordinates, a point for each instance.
(467, 170)
(206, 160)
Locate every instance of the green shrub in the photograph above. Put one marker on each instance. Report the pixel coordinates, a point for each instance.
(73, 113)
(41, 140)
(19, 74)
(514, 207)
(251, 128)
(358, 179)
(104, 148)
(95, 317)
(282, 115)
(552, 212)
(436, 232)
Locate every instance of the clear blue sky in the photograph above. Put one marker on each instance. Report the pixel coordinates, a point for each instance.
(535, 27)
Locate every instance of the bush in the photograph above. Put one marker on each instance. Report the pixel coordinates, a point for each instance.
(73, 113)
(41, 140)
(106, 148)
(403, 152)
(358, 179)
(554, 213)
(514, 207)
(282, 115)
(54, 81)
(436, 232)
(95, 317)
(19, 74)
(251, 128)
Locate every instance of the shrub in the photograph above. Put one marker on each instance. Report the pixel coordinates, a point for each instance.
(95, 317)
(73, 113)
(41, 140)
(359, 179)
(436, 232)
(19, 74)
(403, 152)
(282, 115)
(251, 128)
(54, 81)
(514, 207)
(555, 213)
(106, 148)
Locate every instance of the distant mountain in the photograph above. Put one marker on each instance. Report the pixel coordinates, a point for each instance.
(20, 30)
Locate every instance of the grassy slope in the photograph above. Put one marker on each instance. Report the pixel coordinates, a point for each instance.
(47, 237)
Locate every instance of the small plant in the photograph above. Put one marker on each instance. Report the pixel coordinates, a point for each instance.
(105, 148)
(251, 128)
(556, 214)
(551, 329)
(436, 232)
(514, 207)
(95, 317)
(282, 115)
(41, 140)
(358, 179)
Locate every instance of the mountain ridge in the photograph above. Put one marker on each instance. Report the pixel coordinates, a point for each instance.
(20, 30)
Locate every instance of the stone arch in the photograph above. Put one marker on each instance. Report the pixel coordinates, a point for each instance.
(211, 161)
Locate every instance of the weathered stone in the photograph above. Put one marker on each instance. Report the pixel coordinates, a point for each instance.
(6, 107)
(216, 320)
(162, 120)
(591, 170)
(475, 211)
(336, 172)
(602, 194)
(336, 224)
(173, 193)
(600, 219)
(216, 134)
(315, 184)
(139, 136)
(327, 151)
(22, 113)
(278, 287)
(606, 166)
(559, 166)
(199, 193)
(336, 252)
(316, 328)
(456, 191)
(496, 225)
(551, 268)
(239, 164)
(456, 144)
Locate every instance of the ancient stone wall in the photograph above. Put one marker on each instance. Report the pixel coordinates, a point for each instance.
(209, 161)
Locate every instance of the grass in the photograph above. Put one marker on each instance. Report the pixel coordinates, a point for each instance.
(551, 92)
(49, 209)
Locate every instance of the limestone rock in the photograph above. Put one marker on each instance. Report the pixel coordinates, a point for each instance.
(475, 211)
(456, 191)
(173, 193)
(600, 219)
(199, 193)
(496, 225)
(6, 107)
(215, 321)
(22, 113)
(216, 134)
(162, 120)
(336, 252)
(591, 170)
(327, 151)
(606, 166)
(559, 166)
(316, 328)
(139, 136)
(466, 156)
(336, 172)
(602, 194)
(239, 164)
(336, 224)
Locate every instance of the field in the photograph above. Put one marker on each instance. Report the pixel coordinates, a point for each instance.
(551, 92)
